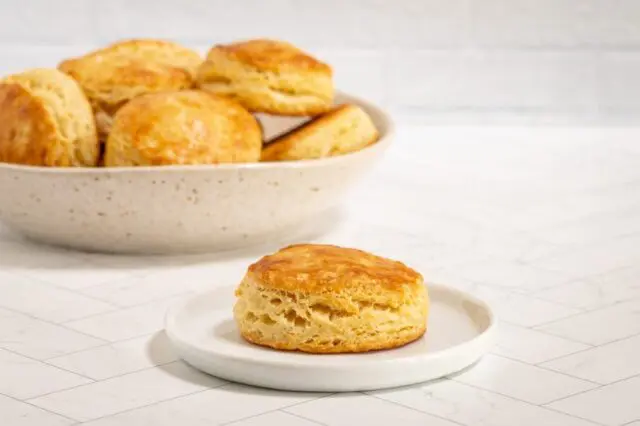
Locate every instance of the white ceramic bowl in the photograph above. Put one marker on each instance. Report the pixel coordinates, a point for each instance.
(181, 209)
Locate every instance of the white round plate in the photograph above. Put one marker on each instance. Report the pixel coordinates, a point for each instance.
(461, 329)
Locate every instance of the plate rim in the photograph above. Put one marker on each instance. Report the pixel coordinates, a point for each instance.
(312, 360)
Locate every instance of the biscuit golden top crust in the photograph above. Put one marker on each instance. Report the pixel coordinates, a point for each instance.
(268, 76)
(342, 130)
(317, 268)
(113, 75)
(187, 127)
(159, 51)
(112, 80)
(270, 55)
(149, 50)
(46, 120)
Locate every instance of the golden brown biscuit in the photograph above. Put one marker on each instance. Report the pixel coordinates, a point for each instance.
(329, 299)
(46, 120)
(268, 76)
(158, 51)
(118, 73)
(345, 129)
(187, 127)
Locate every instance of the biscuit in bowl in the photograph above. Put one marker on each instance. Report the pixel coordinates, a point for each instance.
(114, 75)
(153, 50)
(46, 120)
(268, 76)
(329, 299)
(186, 127)
(346, 128)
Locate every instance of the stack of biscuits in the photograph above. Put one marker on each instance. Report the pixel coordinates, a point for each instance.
(148, 102)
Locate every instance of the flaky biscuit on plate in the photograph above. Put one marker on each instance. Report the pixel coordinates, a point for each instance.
(268, 76)
(46, 120)
(114, 75)
(329, 299)
(186, 127)
(346, 128)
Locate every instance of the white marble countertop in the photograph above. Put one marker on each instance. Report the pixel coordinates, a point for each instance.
(544, 223)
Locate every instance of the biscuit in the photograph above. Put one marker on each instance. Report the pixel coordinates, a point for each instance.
(46, 120)
(329, 299)
(268, 76)
(186, 127)
(158, 51)
(345, 129)
(118, 73)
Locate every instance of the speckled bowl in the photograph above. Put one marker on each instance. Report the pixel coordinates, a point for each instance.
(182, 209)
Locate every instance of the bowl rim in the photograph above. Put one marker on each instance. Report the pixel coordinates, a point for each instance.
(386, 127)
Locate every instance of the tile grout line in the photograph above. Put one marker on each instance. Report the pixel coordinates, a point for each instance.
(128, 372)
(571, 415)
(104, 380)
(606, 271)
(76, 290)
(511, 397)
(224, 383)
(41, 408)
(148, 405)
(592, 347)
(608, 239)
(151, 367)
(152, 300)
(58, 324)
(549, 370)
(635, 376)
(125, 308)
(415, 409)
(283, 409)
(582, 312)
(591, 311)
(492, 392)
(302, 417)
(533, 292)
(56, 287)
(586, 310)
(567, 355)
(104, 344)
(568, 339)
(535, 364)
(533, 295)
(51, 365)
(113, 342)
(544, 406)
(60, 390)
(510, 292)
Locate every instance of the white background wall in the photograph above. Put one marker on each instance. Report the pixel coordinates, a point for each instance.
(550, 61)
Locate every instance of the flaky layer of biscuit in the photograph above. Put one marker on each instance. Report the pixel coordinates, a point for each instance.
(113, 75)
(187, 127)
(268, 76)
(327, 299)
(345, 129)
(46, 120)
(261, 98)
